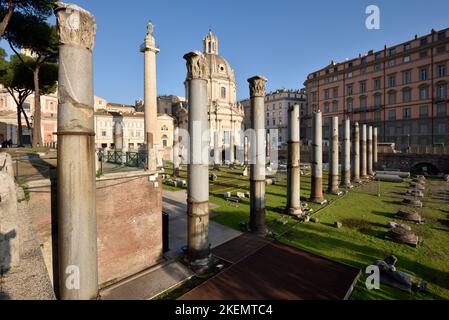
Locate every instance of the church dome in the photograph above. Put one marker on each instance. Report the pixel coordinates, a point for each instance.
(219, 66)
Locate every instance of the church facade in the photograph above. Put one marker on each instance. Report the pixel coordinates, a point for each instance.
(226, 114)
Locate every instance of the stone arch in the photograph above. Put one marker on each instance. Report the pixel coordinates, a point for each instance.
(425, 167)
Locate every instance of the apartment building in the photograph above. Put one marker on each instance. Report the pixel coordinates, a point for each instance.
(401, 89)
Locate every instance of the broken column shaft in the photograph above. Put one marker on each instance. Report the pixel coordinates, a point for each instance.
(198, 252)
(176, 159)
(118, 137)
(76, 182)
(245, 156)
(293, 170)
(257, 87)
(334, 159)
(370, 151)
(317, 158)
(217, 153)
(364, 153)
(346, 167)
(356, 154)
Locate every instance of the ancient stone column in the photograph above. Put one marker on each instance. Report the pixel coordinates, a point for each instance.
(150, 50)
(198, 252)
(293, 170)
(217, 153)
(232, 143)
(364, 153)
(370, 151)
(334, 159)
(268, 146)
(245, 157)
(176, 160)
(356, 154)
(317, 159)
(375, 149)
(257, 86)
(76, 182)
(346, 167)
(118, 136)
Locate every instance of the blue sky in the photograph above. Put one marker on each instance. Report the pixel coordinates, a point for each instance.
(283, 40)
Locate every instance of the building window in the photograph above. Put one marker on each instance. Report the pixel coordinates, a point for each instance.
(441, 35)
(164, 141)
(377, 100)
(326, 80)
(406, 77)
(377, 84)
(392, 131)
(392, 98)
(391, 51)
(441, 49)
(350, 105)
(335, 106)
(441, 91)
(391, 81)
(423, 128)
(363, 71)
(377, 67)
(392, 115)
(441, 128)
(326, 107)
(104, 133)
(350, 75)
(350, 90)
(326, 94)
(223, 92)
(441, 110)
(407, 95)
(391, 63)
(424, 93)
(407, 46)
(363, 87)
(423, 54)
(407, 130)
(406, 59)
(424, 112)
(377, 115)
(407, 113)
(378, 56)
(363, 103)
(423, 74)
(442, 70)
(335, 93)
(423, 42)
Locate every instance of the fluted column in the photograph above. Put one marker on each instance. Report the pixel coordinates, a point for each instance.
(334, 159)
(150, 50)
(317, 158)
(198, 252)
(257, 87)
(293, 170)
(356, 154)
(76, 185)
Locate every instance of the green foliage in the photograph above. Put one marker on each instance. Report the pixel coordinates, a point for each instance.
(38, 8)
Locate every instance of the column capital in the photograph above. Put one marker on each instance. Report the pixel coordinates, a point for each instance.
(257, 86)
(196, 65)
(76, 25)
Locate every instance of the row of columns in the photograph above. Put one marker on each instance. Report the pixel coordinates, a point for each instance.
(364, 156)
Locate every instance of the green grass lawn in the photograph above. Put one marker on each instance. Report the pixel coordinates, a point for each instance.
(361, 241)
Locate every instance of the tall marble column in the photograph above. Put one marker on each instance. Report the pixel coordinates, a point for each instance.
(257, 224)
(375, 150)
(217, 153)
(356, 154)
(150, 50)
(370, 151)
(317, 158)
(364, 153)
(294, 170)
(198, 252)
(176, 160)
(268, 146)
(334, 159)
(76, 185)
(346, 167)
(118, 136)
(232, 143)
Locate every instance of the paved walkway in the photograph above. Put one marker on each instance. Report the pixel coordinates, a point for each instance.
(175, 204)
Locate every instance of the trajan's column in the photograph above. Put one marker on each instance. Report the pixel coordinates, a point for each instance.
(150, 50)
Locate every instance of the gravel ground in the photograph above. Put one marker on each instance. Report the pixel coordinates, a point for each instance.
(29, 281)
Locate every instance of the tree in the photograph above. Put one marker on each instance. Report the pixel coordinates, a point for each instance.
(41, 39)
(40, 9)
(17, 77)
